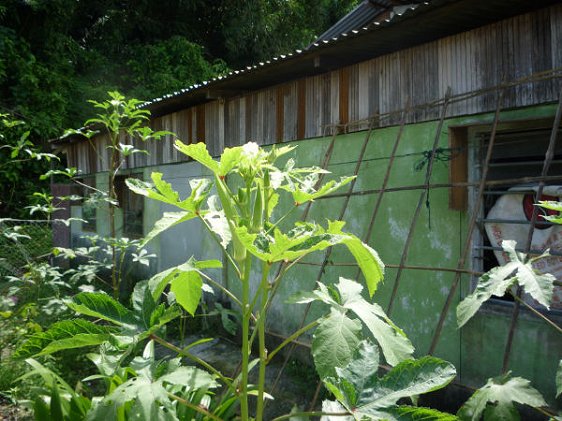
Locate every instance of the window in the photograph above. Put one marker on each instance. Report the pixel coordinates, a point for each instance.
(510, 194)
(89, 204)
(132, 207)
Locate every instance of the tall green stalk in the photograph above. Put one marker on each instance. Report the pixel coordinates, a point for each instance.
(246, 349)
(264, 291)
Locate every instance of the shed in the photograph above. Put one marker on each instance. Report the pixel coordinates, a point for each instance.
(445, 110)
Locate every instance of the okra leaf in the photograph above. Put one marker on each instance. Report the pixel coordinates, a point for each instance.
(163, 191)
(363, 366)
(306, 238)
(65, 334)
(494, 282)
(499, 279)
(364, 394)
(409, 378)
(218, 222)
(146, 396)
(158, 282)
(305, 191)
(168, 220)
(187, 287)
(230, 158)
(102, 306)
(334, 342)
(198, 151)
(368, 261)
(394, 344)
(496, 399)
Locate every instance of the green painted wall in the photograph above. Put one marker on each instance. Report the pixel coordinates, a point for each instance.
(477, 349)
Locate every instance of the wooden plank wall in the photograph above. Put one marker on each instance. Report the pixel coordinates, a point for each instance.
(484, 57)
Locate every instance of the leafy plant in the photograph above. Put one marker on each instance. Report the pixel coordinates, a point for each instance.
(495, 399)
(118, 117)
(497, 281)
(153, 389)
(340, 331)
(364, 395)
(55, 400)
(244, 219)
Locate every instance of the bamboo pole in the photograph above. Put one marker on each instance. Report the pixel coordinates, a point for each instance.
(471, 226)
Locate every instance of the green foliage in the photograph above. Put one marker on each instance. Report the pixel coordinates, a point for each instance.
(236, 205)
(242, 225)
(335, 341)
(65, 334)
(362, 393)
(145, 318)
(162, 191)
(20, 164)
(518, 270)
(146, 395)
(495, 399)
(55, 54)
(555, 206)
(56, 400)
(345, 300)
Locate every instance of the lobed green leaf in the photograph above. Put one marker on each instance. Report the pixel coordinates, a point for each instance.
(334, 343)
(104, 307)
(496, 398)
(497, 281)
(65, 334)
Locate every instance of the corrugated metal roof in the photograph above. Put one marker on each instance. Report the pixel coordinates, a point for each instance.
(364, 14)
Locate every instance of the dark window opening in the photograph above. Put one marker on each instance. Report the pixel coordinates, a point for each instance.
(509, 199)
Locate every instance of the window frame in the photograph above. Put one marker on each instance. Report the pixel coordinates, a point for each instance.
(476, 142)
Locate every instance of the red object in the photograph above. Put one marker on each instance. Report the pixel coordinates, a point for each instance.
(529, 205)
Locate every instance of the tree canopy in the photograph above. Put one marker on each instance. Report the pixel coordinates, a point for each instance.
(57, 54)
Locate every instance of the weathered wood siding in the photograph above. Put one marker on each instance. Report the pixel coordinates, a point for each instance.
(482, 58)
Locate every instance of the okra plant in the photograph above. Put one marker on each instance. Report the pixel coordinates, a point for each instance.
(237, 207)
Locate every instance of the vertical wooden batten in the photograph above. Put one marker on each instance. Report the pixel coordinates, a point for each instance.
(301, 108)
(248, 118)
(344, 96)
(189, 118)
(458, 168)
(200, 123)
(279, 114)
